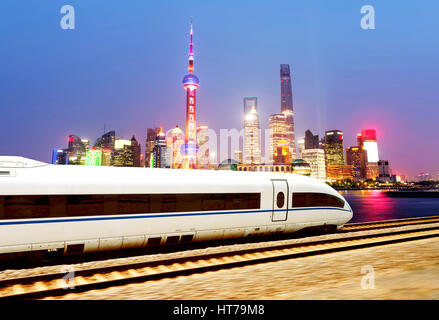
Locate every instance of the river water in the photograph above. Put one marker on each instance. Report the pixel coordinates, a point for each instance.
(374, 205)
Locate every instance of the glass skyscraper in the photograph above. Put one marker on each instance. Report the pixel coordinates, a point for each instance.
(77, 150)
(287, 106)
(334, 147)
(279, 146)
(252, 137)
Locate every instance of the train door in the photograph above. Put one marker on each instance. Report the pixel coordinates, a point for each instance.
(280, 200)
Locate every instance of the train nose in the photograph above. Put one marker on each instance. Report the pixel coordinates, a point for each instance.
(349, 211)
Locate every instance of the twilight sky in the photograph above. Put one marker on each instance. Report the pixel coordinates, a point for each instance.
(123, 64)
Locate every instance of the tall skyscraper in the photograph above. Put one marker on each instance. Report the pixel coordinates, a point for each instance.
(149, 144)
(190, 84)
(123, 153)
(279, 144)
(368, 139)
(311, 141)
(136, 152)
(159, 153)
(252, 136)
(106, 144)
(106, 141)
(357, 157)
(336, 169)
(334, 150)
(287, 106)
(77, 149)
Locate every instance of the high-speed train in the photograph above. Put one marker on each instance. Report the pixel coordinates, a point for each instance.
(78, 209)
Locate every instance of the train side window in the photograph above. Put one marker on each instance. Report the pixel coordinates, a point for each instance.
(156, 203)
(22, 207)
(133, 203)
(58, 206)
(215, 201)
(45, 206)
(243, 203)
(188, 202)
(84, 205)
(314, 199)
(280, 199)
(111, 204)
(169, 202)
(254, 201)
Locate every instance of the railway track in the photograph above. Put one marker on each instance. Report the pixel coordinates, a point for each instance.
(375, 225)
(61, 283)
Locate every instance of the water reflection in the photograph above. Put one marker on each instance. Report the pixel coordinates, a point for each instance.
(374, 205)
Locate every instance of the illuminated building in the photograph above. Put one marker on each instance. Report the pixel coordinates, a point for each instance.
(149, 144)
(252, 139)
(281, 153)
(93, 158)
(357, 157)
(136, 152)
(106, 157)
(339, 172)
(316, 160)
(334, 151)
(383, 170)
(302, 167)
(159, 158)
(238, 156)
(77, 149)
(311, 141)
(278, 144)
(175, 142)
(301, 146)
(287, 106)
(190, 84)
(368, 140)
(106, 141)
(123, 153)
(60, 156)
(106, 144)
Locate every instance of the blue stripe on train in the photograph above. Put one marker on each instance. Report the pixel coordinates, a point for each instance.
(142, 216)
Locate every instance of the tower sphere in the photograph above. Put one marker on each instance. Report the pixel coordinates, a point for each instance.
(190, 80)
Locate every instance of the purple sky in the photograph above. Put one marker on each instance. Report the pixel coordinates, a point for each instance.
(123, 64)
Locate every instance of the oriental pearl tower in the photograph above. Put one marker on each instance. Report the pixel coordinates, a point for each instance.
(190, 84)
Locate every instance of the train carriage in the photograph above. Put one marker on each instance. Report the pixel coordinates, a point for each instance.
(78, 209)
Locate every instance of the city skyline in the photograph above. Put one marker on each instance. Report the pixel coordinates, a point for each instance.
(41, 113)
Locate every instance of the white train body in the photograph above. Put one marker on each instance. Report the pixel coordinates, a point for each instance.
(38, 210)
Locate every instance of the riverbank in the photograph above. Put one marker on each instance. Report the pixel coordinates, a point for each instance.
(414, 193)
